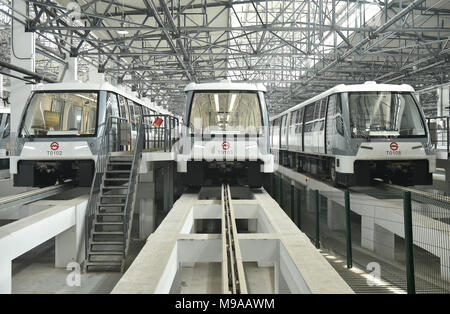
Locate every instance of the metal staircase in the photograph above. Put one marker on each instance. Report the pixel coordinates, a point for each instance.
(110, 209)
(111, 206)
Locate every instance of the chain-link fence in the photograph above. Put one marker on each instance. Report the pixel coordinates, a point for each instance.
(400, 239)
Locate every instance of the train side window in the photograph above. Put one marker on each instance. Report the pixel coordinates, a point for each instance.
(339, 121)
(317, 109)
(309, 117)
(112, 105)
(323, 108)
(300, 115)
(123, 108)
(293, 118)
(283, 125)
(137, 112)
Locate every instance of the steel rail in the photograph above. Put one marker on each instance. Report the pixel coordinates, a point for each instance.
(233, 276)
(32, 196)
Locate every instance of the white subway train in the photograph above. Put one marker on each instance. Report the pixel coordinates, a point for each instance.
(226, 134)
(62, 127)
(354, 133)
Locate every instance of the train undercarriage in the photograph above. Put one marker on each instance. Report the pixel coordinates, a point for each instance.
(201, 173)
(401, 172)
(45, 173)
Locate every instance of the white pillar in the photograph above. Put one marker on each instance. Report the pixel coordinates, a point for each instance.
(22, 55)
(445, 100)
(5, 275)
(70, 244)
(71, 73)
(384, 242)
(146, 201)
(367, 232)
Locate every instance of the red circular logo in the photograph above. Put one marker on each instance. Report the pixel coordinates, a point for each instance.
(225, 145)
(54, 146)
(394, 146)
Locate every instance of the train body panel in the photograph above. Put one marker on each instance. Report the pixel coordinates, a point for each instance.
(226, 134)
(62, 127)
(357, 132)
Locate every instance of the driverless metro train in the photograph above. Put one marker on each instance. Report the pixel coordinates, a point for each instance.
(225, 134)
(354, 133)
(62, 127)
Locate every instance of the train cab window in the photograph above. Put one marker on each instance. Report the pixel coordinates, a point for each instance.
(238, 112)
(385, 114)
(71, 113)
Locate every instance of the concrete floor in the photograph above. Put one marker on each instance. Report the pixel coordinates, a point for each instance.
(207, 278)
(34, 272)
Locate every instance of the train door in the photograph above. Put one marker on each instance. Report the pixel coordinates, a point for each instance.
(321, 126)
(329, 123)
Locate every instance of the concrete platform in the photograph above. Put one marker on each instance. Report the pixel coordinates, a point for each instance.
(272, 241)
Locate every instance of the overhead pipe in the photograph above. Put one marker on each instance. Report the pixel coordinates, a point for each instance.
(38, 77)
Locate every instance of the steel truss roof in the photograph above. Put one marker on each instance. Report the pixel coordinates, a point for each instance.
(296, 48)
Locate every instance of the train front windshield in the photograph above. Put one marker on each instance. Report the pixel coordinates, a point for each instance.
(231, 112)
(384, 114)
(61, 114)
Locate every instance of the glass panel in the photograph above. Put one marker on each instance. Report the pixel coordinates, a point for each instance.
(112, 105)
(61, 113)
(217, 112)
(123, 108)
(309, 112)
(384, 114)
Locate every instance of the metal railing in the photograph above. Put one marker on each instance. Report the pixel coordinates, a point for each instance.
(131, 191)
(440, 133)
(107, 145)
(161, 137)
(149, 136)
(399, 247)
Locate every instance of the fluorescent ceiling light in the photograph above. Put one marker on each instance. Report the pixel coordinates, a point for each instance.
(122, 32)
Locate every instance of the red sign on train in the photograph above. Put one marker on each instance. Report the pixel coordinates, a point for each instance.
(54, 146)
(157, 122)
(394, 146)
